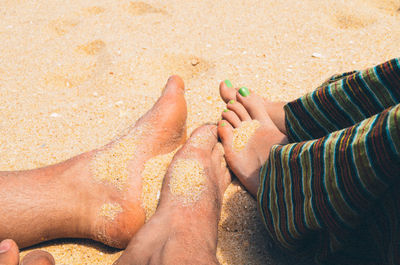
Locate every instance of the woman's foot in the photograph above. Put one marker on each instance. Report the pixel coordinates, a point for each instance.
(274, 109)
(97, 194)
(184, 228)
(244, 153)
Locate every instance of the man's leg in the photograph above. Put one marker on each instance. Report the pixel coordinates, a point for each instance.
(97, 194)
(184, 227)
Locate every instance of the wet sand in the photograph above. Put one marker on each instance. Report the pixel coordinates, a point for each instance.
(74, 74)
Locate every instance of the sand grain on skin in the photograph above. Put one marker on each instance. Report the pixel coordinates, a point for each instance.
(110, 165)
(242, 134)
(152, 179)
(110, 211)
(187, 181)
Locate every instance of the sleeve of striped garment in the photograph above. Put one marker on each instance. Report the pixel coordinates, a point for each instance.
(317, 191)
(342, 101)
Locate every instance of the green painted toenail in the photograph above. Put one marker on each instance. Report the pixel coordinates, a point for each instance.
(228, 83)
(226, 110)
(223, 124)
(244, 91)
(231, 101)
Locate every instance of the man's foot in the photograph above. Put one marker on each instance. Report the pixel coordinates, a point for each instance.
(184, 228)
(246, 160)
(119, 165)
(274, 109)
(97, 194)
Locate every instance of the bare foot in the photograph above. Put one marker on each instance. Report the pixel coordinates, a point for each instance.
(9, 255)
(274, 109)
(97, 194)
(184, 228)
(246, 162)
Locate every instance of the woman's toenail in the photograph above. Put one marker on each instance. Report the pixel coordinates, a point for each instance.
(226, 110)
(228, 83)
(223, 124)
(244, 91)
(231, 101)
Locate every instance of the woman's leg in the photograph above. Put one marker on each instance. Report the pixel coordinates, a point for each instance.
(343, 101)
(97, 194)
(313, 194)
(321, 190)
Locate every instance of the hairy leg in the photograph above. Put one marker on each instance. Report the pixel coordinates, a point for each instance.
(97, 194)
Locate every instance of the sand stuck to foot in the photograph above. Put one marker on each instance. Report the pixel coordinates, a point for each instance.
(188, 180)
(110, 211)
(74, 74)
(110, 164)
(242, 134)
(152, 179)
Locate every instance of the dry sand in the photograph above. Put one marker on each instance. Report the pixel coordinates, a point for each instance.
(74, 73)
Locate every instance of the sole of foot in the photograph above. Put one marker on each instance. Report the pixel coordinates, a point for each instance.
(184, 227)
(246, 161)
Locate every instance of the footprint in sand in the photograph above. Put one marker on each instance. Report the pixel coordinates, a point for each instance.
(91, 48)
(62, 26)
(93, 10)
(76, 74)
(187, 66)
(140, 8)
(353, 20)
(391, 6)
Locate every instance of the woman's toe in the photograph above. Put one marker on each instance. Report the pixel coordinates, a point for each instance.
(253, 104)
(227, 91)
(225, 133)
(231, 118)
(239, 109)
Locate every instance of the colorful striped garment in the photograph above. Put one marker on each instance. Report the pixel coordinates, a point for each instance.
(333, 193)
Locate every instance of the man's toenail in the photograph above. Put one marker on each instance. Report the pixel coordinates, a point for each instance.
(226, 110)
(244, 91)
(231, 101)
(223, 124)
(4, 246)
(228, 83)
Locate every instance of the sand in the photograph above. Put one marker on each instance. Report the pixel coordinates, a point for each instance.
(110, 210)
(152, 179)
(243, 134)
(74, 74)
(188, 181)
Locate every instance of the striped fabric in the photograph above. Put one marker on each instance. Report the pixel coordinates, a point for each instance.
(334, 191)
(343, 100)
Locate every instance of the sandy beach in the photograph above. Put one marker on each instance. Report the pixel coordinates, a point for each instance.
(74, 74)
